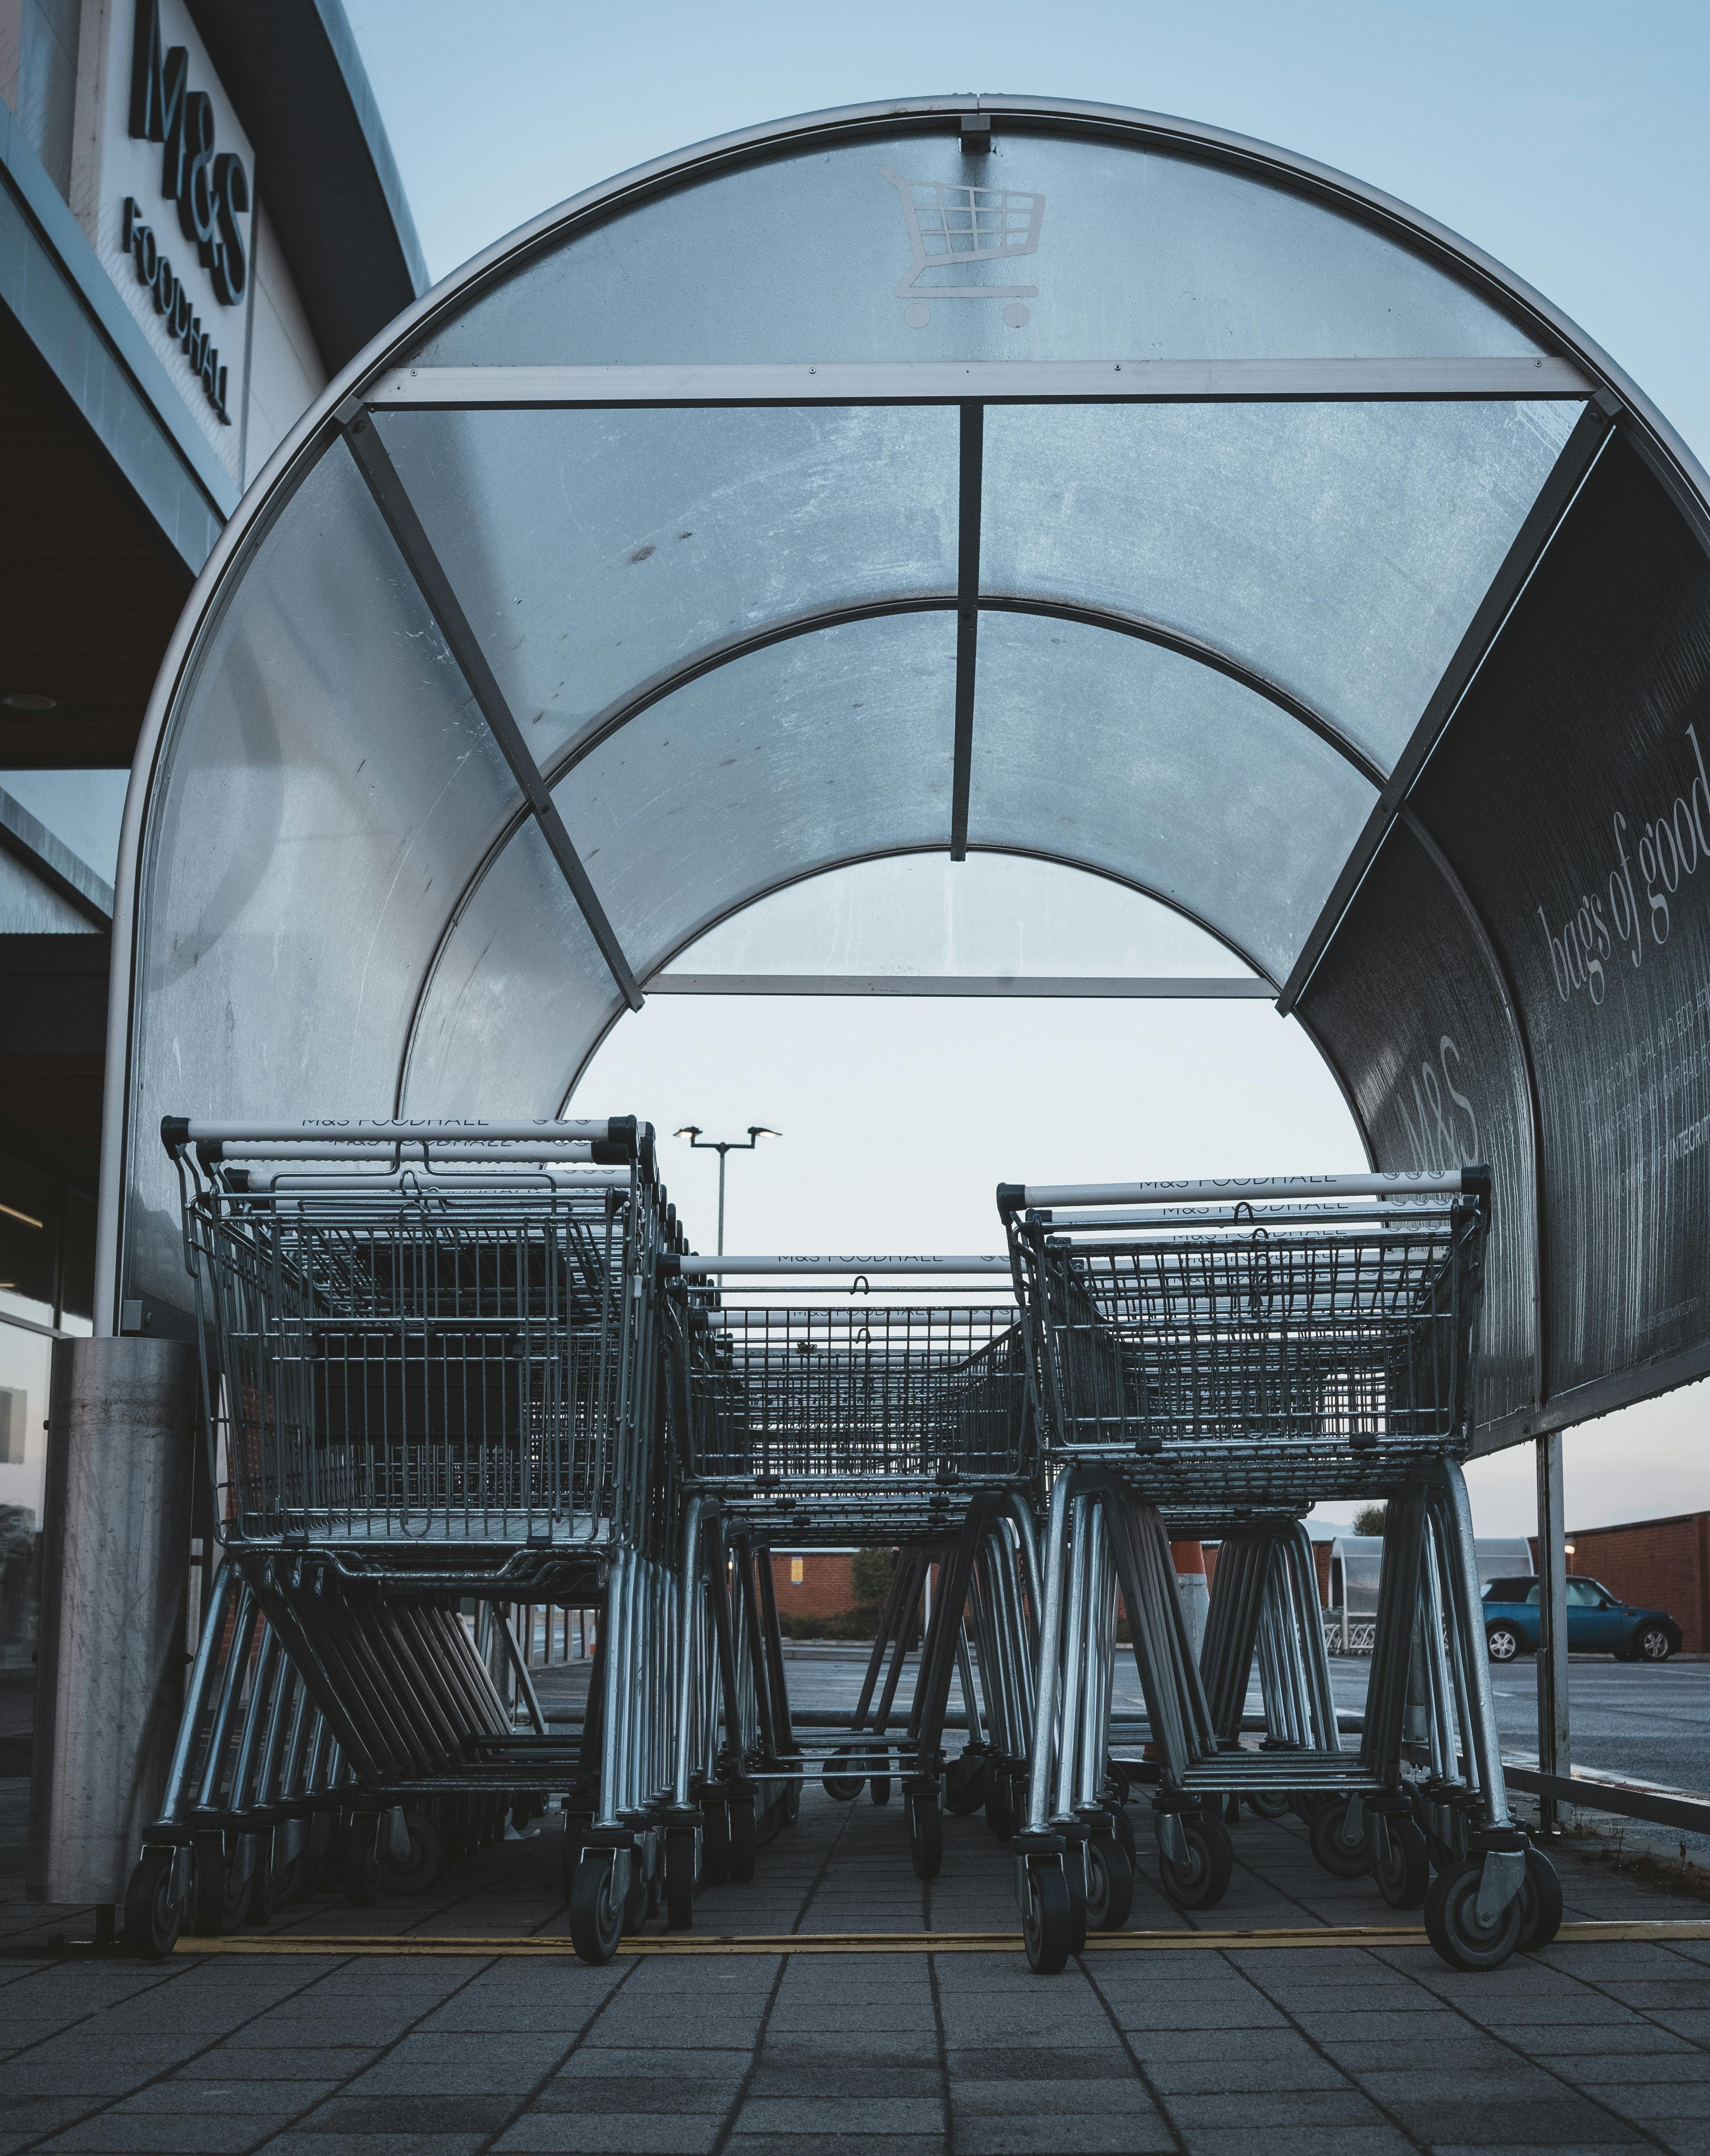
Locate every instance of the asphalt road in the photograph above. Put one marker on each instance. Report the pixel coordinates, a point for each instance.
(1626, 1718)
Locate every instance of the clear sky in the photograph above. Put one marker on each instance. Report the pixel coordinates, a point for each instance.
(1566, 139)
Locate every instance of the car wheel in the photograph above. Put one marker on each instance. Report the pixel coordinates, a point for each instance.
(1502, 1641)
(1652, 1644)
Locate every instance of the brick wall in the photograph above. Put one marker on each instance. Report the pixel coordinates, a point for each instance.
(1660, 1564)
(827, 1587)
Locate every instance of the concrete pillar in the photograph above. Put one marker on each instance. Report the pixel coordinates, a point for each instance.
(122, 1427)
(1194, 1589)
(1555, 1750)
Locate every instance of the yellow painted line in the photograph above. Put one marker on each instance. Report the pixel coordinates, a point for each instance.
(1606, 1932)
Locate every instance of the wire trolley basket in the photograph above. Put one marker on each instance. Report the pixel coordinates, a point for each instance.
(403, 1354)
(1263, 1353)
(870, 1418)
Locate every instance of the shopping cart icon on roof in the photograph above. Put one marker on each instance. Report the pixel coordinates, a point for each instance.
(949, 226)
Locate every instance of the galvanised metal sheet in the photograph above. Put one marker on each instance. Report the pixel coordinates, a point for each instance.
(1573, 793)
(1409, 1010)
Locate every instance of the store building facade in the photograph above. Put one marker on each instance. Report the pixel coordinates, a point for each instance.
(200, 224)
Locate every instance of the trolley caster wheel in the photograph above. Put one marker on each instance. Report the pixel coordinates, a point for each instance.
(791, 1802)
(1400, 1864)
(1265, 1806)
(416, 1873)
(596, 1910)
(926, 1836)
(317, 1863)
(259, 1908)
(210, 1901)
(1046, 1920)
(714, 1843)
(679, 1882)
(837, 1782)
(1198, 1877)
(1075, 1877)
(153, 1914)
(1123, 1828)
(1000, 1804)
(769, 1824)
(1540, 1903)
(743, 1840)
(1109, 1884)
(1452, 1921)
(965, 1784)
(287, 1882)
(360, 1869)
(1342, 1856)
(880, 1787)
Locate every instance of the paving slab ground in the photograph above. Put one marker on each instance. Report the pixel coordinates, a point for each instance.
(1325, 2050)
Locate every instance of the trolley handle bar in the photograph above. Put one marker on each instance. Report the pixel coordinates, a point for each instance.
(415, 1181)
(1467, 1181)
(692, 1266)
(614, 1139)
(1191, 1219)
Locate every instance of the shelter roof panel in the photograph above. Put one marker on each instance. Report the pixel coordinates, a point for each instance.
(327, 787)
(1120, 756)
(518, 994)
(826, 749)
(1134, 253)
(596, 551)
(800, 756)
(1338, 550)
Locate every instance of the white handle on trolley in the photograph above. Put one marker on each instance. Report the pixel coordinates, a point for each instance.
(335, 1139)
(1012, 1197)
(360, 1151)
(1184, 1219)
(698, 1267)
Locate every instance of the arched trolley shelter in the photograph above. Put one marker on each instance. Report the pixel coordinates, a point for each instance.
(958, 474)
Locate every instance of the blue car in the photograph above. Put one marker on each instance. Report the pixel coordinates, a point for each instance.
(1599, 1622)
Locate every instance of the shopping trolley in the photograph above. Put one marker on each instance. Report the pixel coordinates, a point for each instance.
(1263, 1345)
(876, 1422)
(430, 1377)
(951, 224)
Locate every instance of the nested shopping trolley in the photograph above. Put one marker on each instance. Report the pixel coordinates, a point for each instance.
(884, 1420)
(431, 1372)
(1247, 1349)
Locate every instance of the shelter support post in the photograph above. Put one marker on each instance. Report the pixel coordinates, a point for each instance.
(1554, 1751)
(115, 1605)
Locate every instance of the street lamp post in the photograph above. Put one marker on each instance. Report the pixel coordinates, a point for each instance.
(722, 1146)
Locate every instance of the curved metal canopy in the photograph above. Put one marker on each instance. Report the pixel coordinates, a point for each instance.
(961, 475)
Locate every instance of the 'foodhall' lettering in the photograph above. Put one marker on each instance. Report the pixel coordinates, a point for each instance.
(154, 270)
(211, 189)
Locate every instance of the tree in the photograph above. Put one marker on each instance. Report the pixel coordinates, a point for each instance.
(1370, 1518)
(872, 1570)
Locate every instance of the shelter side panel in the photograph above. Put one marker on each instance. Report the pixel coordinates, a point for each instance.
(1407, 1007)
(1573, 795)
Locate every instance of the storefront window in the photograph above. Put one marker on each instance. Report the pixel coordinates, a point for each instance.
(47, 1290)
(24, 1361)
